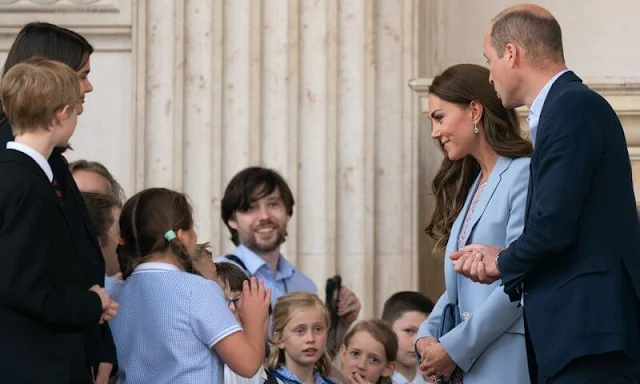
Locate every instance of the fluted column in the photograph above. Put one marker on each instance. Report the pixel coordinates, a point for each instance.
(316, 90)
(188, 92)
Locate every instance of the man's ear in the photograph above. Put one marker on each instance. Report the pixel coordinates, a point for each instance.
(233, 223)
(513, 53)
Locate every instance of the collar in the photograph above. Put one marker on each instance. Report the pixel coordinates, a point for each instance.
(538, 102)
(284, 373)
(253, 262)
(35, 155)
(398, 378)
(155, 266)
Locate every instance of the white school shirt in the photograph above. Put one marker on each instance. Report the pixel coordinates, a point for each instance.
(35, 155)
(167, 322)
(397, 378)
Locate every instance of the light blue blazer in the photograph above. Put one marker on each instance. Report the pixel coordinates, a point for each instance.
(489, 345)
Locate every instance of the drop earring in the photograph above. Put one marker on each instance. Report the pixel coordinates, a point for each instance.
(475, 129)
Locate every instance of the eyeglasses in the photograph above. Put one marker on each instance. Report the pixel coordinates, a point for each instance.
(232, 303)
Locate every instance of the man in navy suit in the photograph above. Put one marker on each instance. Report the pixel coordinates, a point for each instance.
(576, 265)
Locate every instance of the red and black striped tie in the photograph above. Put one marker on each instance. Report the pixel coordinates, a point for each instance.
(58, 189)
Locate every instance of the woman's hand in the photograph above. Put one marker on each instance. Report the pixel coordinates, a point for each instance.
(436, 362)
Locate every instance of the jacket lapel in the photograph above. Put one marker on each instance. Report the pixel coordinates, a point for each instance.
(556, 89)
(450, 276)
(25, 160)
(452, 244)
(492, 183)
(63, 175)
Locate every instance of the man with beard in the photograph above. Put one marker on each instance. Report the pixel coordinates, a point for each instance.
(256, 207)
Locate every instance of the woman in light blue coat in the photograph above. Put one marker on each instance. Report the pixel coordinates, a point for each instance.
(480, 194)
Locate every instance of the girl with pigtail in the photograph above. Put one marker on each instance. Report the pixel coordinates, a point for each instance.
(174, 326)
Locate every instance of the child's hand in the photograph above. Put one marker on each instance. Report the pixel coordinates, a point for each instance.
(357, 379)
(253, 306)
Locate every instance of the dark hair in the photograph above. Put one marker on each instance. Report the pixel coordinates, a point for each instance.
(246, 187)
(405, 301)
(540, 35)
(51, 42)
(100, 207)
(114, 188)
(231, 275)
(461, 84)
(145, 219)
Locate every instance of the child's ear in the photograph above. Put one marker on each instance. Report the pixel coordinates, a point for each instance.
(60, 116)
(276, 340)
(342, 353)
(64, 112)
(388, 371)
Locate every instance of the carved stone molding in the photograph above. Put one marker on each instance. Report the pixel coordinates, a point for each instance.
(623, 95)
(92, 17)
(107, 24)
(59, 5)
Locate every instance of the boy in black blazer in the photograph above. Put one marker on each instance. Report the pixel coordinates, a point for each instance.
(45, 308)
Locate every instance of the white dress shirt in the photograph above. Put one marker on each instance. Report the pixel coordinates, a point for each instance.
(35, 155)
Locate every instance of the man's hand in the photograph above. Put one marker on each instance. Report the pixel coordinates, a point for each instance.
(436, 362)
(348, 307)
(477, 262)
(104, 371)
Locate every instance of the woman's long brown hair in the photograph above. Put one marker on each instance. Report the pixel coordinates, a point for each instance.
(461, 84)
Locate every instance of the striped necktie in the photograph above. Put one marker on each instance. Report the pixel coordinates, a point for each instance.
(58, 189)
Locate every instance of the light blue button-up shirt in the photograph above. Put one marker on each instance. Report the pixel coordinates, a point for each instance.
(287, 278)
(538, 103)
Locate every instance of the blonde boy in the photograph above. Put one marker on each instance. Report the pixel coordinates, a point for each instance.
(45, 309)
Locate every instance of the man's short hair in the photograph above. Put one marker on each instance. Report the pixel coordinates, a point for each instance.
(405, 301)
(541, 36)
(114, 188)
(32, 92)
(249, 185)
(100, 207)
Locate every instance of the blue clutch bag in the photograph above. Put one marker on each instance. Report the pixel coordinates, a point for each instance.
(449, 320)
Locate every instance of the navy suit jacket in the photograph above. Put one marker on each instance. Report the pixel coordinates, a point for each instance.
(99, 345)
(578, 255)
